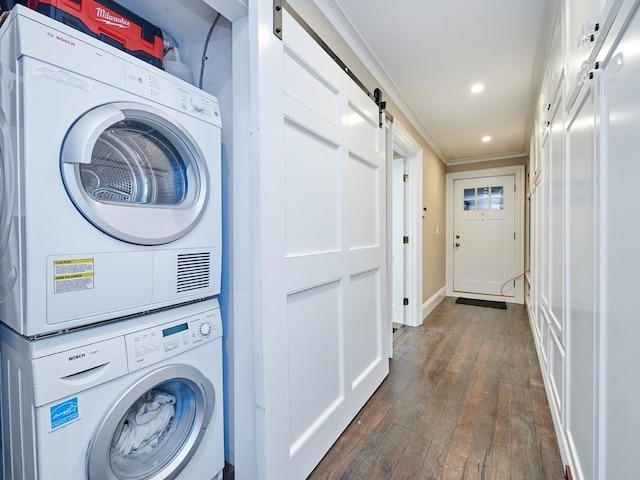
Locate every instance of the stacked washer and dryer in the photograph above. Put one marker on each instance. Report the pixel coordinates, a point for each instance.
(110, 252)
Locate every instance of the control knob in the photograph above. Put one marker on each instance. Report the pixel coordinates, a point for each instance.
(197, 103)
(205, 329)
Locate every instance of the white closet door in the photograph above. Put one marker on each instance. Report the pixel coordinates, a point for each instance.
(581, 296)
(325, 338)
(620, 230)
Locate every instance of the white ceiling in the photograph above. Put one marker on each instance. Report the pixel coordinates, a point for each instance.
(433, 51)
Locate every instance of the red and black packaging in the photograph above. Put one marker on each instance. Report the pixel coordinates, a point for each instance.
(110, 22)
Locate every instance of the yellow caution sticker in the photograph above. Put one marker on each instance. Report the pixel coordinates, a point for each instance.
(73, 275)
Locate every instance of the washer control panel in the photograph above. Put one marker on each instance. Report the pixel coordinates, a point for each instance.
(154, 344)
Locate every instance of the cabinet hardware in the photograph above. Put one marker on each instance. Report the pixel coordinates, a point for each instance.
(586, 72)
(588, 34)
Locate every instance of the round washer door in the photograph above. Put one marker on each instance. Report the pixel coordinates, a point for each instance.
(135, 173)
(152, 431)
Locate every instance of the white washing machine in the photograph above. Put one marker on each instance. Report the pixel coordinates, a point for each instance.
(140, 399)
(109, 181)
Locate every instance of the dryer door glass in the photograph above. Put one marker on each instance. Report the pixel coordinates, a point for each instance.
(136, 173)
(153, 435)
(8, 181)
(133, 162)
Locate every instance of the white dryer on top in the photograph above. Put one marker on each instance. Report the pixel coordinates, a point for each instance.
(110, 200)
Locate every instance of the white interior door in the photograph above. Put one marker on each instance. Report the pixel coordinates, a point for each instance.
(484, 235)
(324, 334)
(399, 195)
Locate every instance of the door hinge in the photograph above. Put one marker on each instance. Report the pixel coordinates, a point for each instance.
(405, 239)
(405, 301)
(405, 177)
(514, 235)
(514, 187)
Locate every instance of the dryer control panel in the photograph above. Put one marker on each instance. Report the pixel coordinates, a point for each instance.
(166, 90)
(151, 345)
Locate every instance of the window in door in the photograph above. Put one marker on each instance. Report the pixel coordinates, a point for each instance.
(484, 198)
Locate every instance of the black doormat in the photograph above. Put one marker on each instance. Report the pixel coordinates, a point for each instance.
(482, 303)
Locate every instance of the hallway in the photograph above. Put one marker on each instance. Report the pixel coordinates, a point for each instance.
(464, 399)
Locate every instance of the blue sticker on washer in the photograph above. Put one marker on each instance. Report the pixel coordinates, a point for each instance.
(64, 412)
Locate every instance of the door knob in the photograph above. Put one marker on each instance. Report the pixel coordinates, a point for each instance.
(457, 244)
(457, 236)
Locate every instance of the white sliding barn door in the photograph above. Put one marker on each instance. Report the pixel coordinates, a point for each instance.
(324, 303)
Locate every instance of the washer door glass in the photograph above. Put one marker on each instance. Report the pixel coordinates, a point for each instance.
(135, 173)
(154, 434)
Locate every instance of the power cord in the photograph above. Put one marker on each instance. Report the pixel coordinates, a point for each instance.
(204, 50)
(511, 280)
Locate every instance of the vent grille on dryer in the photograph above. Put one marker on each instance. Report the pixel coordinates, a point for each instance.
(193, 271)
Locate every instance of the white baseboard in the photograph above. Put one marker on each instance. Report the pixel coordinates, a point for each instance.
(429, 305)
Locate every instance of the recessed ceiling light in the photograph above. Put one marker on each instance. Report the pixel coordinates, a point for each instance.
(486, 138)
(477, 88)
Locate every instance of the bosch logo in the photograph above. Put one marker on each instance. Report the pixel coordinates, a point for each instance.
(76, 357)
(65, 40)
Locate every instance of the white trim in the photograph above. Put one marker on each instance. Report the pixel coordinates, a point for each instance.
(242, 211)
(488, 158)
(519, 198)
(410, 146)
(407, 146)
(433, 302)
(388, 125)
(232, 10)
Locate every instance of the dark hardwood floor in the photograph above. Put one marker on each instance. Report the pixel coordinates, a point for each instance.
(464, 400)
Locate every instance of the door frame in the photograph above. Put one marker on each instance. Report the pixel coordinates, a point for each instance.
(518, 212)
(411, 151)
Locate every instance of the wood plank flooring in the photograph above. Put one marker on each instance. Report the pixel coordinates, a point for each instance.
(464, 400)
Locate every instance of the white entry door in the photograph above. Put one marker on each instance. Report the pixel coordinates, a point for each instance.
(484, 235)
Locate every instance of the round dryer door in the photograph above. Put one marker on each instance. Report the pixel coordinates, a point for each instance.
(152, 431)
(135, 173)
(8, 180)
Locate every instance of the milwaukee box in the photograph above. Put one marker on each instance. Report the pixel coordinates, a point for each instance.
(109, 22)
